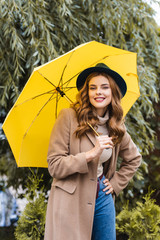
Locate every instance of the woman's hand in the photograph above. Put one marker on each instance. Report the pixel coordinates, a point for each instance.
(102, 142)
(108, 189)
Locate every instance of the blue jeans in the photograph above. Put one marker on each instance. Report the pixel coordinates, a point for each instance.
(104, 216)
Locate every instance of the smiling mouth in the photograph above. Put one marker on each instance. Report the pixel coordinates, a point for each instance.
(99, 99)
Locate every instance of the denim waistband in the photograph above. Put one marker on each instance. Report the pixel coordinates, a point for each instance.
(98, 179)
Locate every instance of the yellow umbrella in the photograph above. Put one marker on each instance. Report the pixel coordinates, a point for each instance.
(29, 123)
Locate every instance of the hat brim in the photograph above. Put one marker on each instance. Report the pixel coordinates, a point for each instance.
(116, 77)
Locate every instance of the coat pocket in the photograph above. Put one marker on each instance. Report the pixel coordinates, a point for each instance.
(66, 185)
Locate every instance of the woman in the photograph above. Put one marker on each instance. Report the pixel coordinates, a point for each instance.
(83, 166)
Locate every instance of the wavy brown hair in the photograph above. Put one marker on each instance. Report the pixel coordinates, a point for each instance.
(85, 112)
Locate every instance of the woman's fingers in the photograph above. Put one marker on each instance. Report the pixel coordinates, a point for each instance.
(105, 142)
(108, 189)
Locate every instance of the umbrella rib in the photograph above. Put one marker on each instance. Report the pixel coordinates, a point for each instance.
(51, 91)
(65, 68)
(61, 75)
(69, 88)
(56, 88)
(80, 71)
(56, 105)
(37, 115)
(46, 79)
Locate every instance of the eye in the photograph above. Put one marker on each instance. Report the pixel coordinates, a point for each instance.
(92, 88)
(105, 87)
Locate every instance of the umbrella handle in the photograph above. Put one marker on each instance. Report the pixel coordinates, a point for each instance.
(93, 129)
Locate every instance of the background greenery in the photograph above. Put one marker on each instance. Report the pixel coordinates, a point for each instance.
(34, 32)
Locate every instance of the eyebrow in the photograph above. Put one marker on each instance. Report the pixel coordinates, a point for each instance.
(104, 84)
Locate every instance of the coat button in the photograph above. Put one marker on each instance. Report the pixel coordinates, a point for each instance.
(89, 203)
(92, 179)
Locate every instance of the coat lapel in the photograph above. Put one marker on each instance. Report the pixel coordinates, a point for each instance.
(91, 137)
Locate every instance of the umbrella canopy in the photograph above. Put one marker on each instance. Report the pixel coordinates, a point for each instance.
(29, 123)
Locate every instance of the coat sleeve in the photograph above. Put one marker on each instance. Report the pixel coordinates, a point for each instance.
(131, 161)
(61, 163)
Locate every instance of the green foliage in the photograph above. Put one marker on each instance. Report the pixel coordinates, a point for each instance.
(153, 159)
(141, 222)
(32, 221)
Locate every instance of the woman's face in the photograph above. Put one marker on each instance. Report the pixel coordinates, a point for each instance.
(100, 94)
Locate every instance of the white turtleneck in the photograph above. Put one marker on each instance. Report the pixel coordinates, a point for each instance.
(106, 154)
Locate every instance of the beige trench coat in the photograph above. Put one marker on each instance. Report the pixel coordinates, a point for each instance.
(71, 202)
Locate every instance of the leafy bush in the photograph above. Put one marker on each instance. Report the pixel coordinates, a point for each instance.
(32, 221)
(142, 222)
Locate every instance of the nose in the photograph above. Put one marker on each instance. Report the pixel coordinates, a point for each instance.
(98, 91)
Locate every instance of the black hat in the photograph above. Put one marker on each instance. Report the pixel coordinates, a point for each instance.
(102, 68)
